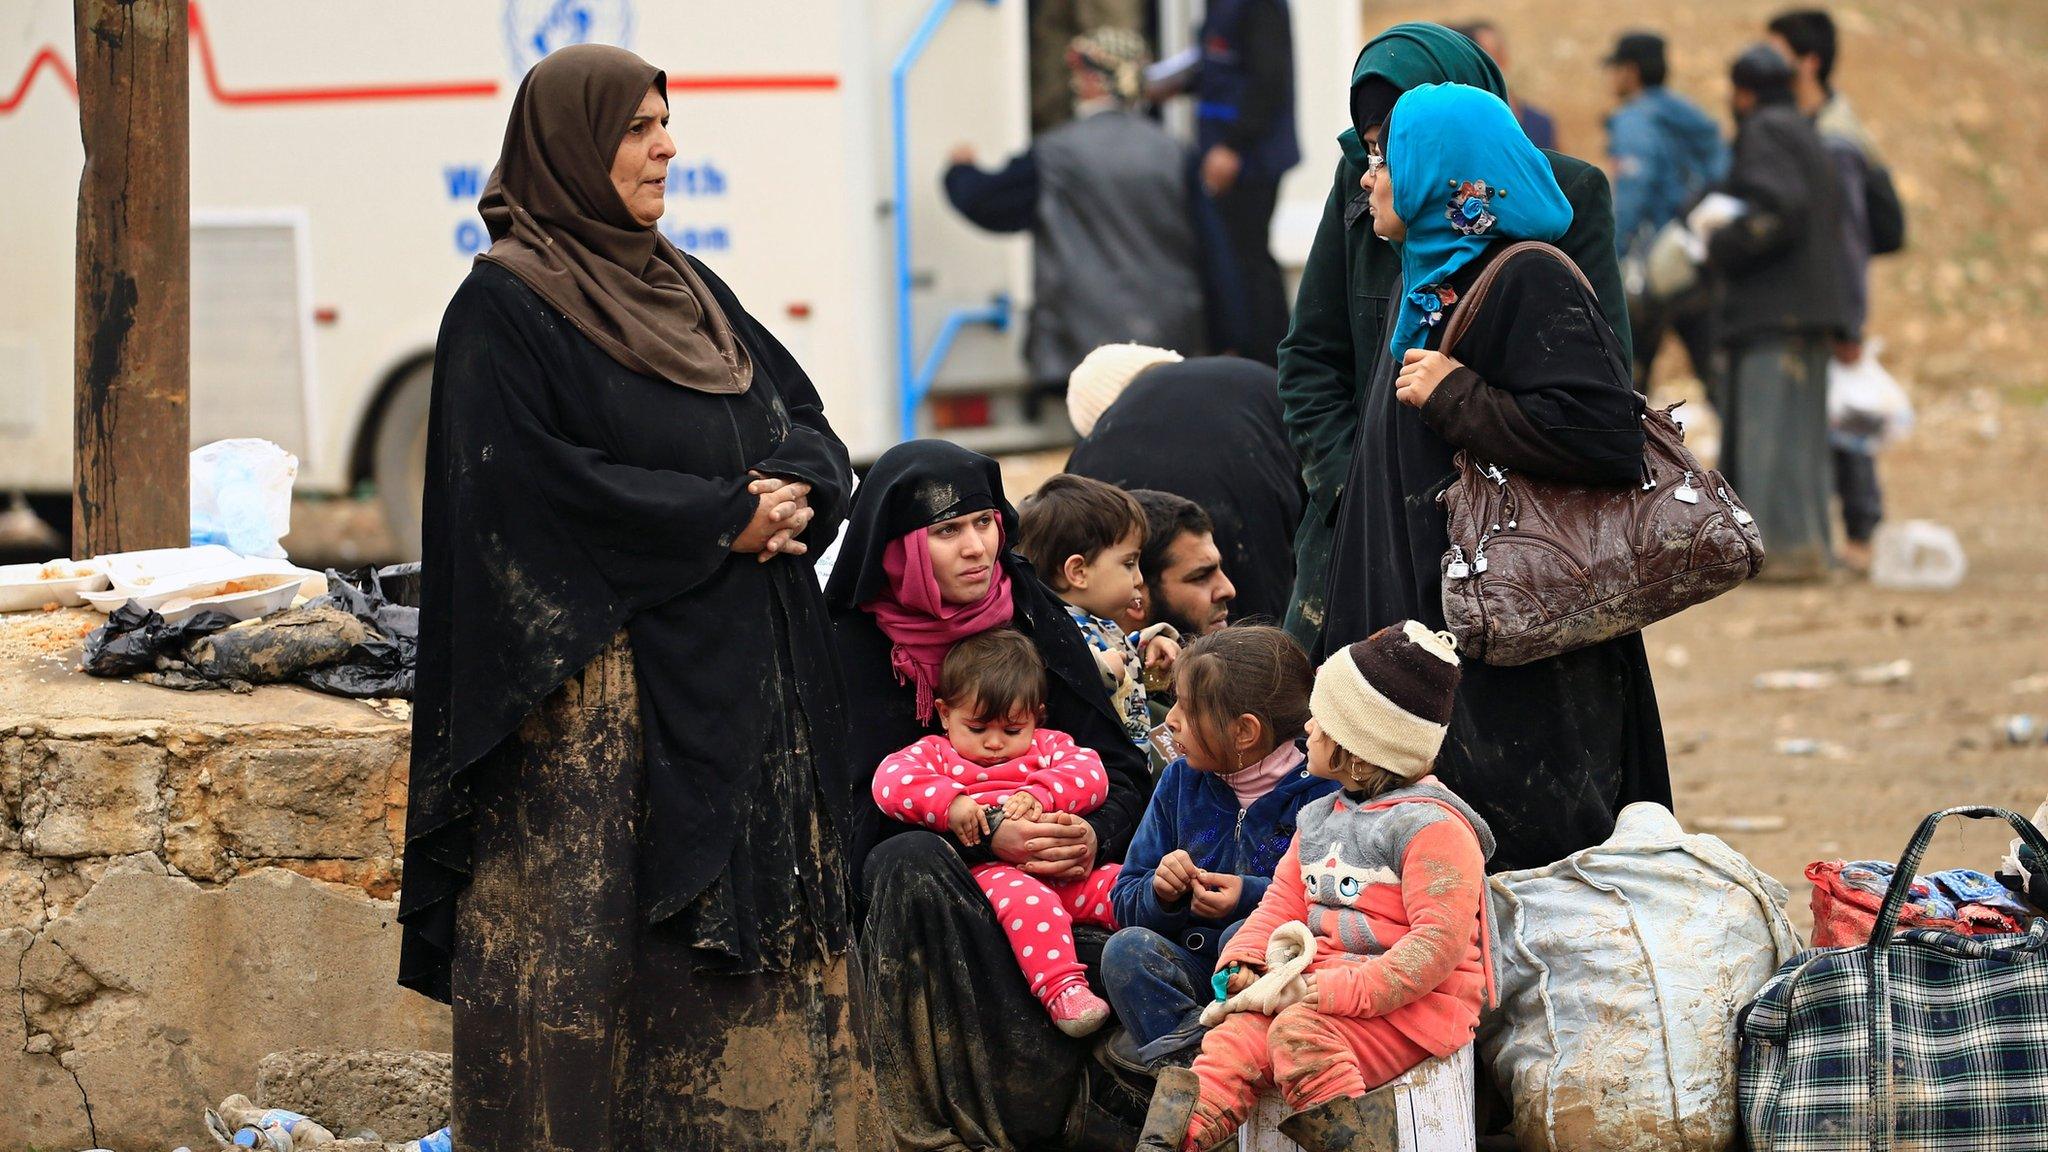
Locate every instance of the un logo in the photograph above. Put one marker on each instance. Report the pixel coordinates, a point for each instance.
(534, 28)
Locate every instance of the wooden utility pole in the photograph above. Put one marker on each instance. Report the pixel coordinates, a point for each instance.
(133, 333)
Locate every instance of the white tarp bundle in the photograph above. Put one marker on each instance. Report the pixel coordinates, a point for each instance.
(1622, 969)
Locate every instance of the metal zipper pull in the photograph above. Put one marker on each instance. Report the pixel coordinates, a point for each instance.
(1457, 569)
(1742, 515)
(1479, 562)
(1686, 494)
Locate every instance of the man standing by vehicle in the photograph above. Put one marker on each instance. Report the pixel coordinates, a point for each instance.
(1118, 251)
(1872, 223)
(1664, 151)
(1244, 129)
(1782, 309)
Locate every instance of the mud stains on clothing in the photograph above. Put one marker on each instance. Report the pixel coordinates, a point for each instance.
(580, 1026)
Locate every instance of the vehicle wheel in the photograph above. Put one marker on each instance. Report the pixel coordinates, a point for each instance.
(399, 465)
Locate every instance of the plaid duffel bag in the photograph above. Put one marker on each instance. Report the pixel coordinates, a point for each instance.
(1923, 1040)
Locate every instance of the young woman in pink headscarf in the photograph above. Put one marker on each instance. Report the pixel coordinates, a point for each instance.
(964, 1053)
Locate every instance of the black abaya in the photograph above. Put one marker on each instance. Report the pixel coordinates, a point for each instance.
(570, 499)
(1548, 752)
(1209, 430)
(578, 1026)
(966, 1056)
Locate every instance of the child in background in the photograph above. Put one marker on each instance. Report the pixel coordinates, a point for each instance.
(1219, 821)
(1389, 874)
(1083, 537)
(995, 763)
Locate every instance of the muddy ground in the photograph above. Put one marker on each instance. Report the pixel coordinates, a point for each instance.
(1889, 754)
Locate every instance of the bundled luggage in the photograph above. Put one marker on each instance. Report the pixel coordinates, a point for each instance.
(1622, 969)
(1919, 1039)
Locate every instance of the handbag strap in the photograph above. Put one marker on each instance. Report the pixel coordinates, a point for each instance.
(1882, 1117)
(1461, 316)
(1901, 887)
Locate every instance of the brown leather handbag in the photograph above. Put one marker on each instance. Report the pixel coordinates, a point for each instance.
(1538, 568)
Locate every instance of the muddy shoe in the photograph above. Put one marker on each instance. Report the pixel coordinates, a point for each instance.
(1173, 1109)
(1365, 1123)
(1078, 1011)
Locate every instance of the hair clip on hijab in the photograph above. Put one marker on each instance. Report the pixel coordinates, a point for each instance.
(1431, 300)
(1470, 212)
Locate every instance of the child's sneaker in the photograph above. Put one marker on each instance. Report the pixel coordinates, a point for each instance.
(1078, 1011)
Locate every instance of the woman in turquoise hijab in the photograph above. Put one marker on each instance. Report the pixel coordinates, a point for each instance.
(1344, 308)
(1547, 752)
(1467, 176)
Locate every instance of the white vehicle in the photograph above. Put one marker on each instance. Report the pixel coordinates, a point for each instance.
(338, 149)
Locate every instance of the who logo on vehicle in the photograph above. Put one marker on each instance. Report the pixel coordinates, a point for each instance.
(534, 28)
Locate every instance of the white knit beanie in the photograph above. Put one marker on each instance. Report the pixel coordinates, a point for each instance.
(1102, 376)
(1387, 699)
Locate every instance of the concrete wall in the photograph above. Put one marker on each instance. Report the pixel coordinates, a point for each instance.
(187, 884)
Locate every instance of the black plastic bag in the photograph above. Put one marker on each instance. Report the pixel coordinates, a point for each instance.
(384, 662)
(136, 640)
(351, 642)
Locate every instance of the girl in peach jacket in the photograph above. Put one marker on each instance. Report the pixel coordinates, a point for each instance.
(1389, 876)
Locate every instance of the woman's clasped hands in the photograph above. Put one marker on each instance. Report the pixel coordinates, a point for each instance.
(1056, 847)
(783, 512)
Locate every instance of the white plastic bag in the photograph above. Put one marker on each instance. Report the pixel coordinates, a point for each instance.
(1866, 401)
(1671, 268)
(1917, 556)
(242, 496)
(1622, 968)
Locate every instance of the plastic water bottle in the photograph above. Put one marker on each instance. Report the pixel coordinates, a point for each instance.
(285, 1130)
(1917, 555)
(441, 1141)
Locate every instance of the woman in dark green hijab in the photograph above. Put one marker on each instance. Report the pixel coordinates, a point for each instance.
(1347, 292)
(1550, 751)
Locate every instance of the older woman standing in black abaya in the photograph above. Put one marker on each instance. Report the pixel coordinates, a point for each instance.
(965, 1057)
(623, 853)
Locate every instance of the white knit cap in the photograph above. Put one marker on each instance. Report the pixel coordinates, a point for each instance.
(1102, 376)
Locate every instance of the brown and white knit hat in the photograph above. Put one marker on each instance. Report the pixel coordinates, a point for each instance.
(1387, 699)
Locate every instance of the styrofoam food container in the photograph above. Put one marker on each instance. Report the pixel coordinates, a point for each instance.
(134, 571)
(158, 590)
(272, 591)
(28, 587)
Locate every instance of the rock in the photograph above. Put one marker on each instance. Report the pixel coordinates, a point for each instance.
(1739, 824)
(1795, 680)
(21, 892)
(156, 992)
(315, 798)
(399, 1094)
(92, 798)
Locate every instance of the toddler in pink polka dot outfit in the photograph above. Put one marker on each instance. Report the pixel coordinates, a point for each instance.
(995, 763)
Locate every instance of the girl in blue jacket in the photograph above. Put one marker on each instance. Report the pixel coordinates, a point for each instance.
(1219, 821)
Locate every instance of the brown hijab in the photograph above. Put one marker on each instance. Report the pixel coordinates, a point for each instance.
(558, 224)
